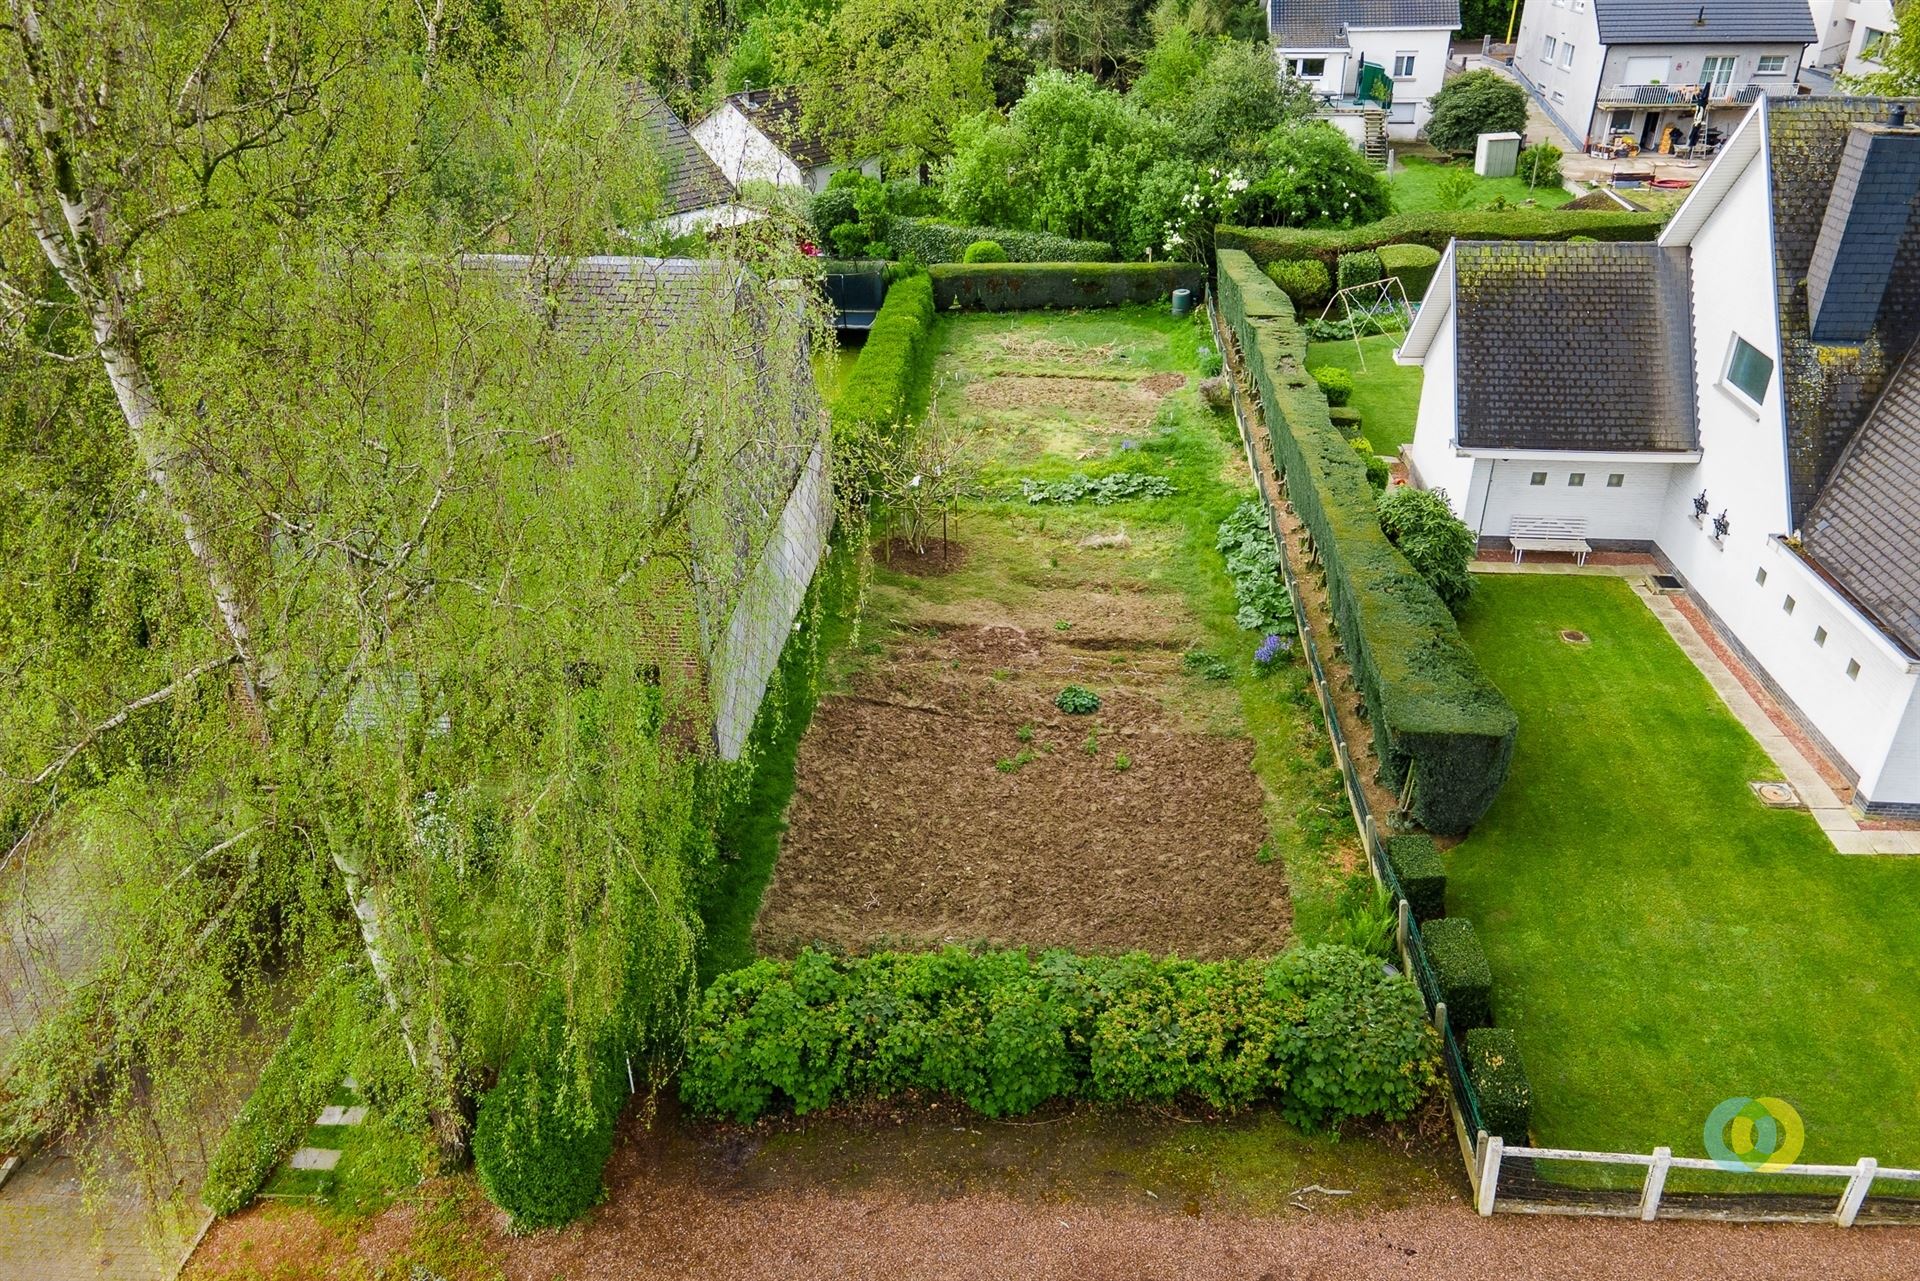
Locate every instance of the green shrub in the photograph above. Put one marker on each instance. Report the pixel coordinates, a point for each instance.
(1324, 1032)
(1335, 382)
(1466, 981)
(543, 1134)
(1432, 711)
(1019, 286)
(1416, 864)
(1472, 104)
(1412, 265)
(1379, 471)
(1435, 541)
(1305, 280)
(1102, 491)
(1499, 1080)
(1077, 700)
(984, 251)
(1361, 267)
(1253, 563)
(1539, 165)
(1347, 420)
(829, 210)
(879, 391)
(929, 241)
(1434, 229)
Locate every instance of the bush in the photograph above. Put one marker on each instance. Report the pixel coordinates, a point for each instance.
(1412, 265)
(1466, 982)
(1324, 1032)
(1362, 267)
(1416, 864)
(828, 210)
(1478, 102)
(543, 1135)
(879, 389)
(984, 251)
(1434, 229)
(1347, 420)
(1030, 286)
(1433, 713)
(1335, 382)
(1379, 471)
(1499, 1079)
(1435, 541)
(1540, 165)
(1309, 175)
(1253, 563)
(1306, 281)
(929, 241)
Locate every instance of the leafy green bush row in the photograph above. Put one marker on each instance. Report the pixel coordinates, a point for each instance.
(1434, 229)
(1253, 563)
(1499, 1080)
(1416, 864)
(1432, 710)
(1023, 286)
(1466, 980)
(1412, 265)
(1324, 1032)
(931, 242)
(879, 389)
(1114, 487)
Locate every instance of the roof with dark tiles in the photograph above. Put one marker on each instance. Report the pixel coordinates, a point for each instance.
(693, 181)
(1703, 21)
(777, 113)
(1321, 24)
(1584, 347)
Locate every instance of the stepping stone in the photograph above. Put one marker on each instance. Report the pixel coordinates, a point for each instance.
(315, 1159)
(349, 1083)
(332, 1115)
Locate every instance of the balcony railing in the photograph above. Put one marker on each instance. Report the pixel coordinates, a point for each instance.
(1679, 96)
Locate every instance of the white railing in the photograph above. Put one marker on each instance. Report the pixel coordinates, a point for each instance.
(1490, 1152)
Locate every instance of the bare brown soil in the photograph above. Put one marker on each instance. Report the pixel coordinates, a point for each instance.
(922, 816)
(1122, 404)
(936, 556)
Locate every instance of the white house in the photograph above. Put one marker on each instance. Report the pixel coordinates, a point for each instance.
(696, 195)
(761, 136)
(1391, 53)
(1653, 69)
(1850, 33)
(1741, 397)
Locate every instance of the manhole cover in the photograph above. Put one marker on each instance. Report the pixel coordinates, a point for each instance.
(1572, 637)
(1667, 583)
(1780, 796)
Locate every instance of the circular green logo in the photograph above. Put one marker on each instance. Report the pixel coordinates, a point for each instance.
(1756, 1136)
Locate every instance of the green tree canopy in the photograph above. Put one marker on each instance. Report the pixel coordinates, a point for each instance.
(1478, 102)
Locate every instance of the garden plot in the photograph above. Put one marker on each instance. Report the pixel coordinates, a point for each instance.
(944, 795)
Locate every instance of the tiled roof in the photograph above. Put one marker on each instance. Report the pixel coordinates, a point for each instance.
(1584, 347)
(1704, 21)
(1864, 529)
(777, 114)
(693, 181)
(1320, 24)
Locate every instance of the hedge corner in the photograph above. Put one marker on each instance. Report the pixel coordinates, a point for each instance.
(1499, 1080)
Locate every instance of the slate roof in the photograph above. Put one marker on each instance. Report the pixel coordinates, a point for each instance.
(777, 114)
(693, 181)
(1321, 24)
(1584, 347)
(1678, 21)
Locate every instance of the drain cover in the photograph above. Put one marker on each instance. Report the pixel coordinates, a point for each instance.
(1667, 583)
(1572, 637)
(1780, 796)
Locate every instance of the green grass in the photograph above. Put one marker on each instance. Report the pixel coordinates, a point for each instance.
(1416, 188)
(1660, 941)
(1386, 395)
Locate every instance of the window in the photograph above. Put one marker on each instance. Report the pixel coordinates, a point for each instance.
(1873, 46)
(1402, 66)
(1772, 64)
(1622, 121)
(1853, 669)
(1309, 68)
(1616, 479)
(1538, 478)
(1576, 479)
(1760, 576)
(1715, 73)
(1551, 46)
(1820, 636)
(1786, 606)
(1558, 96)
(1566, 54)
(1749, 370)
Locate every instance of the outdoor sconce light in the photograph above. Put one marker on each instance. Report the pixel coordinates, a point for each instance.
(1720, 527)
(1699, 506)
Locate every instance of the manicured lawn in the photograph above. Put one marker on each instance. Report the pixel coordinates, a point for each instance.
(1386, 395)
(1660, 941)
(1416, 188)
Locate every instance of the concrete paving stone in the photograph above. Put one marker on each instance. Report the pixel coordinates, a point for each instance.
(315, 1159)
(1835, 820)
(1895, 842)
(1852, 842)
(334, 1115)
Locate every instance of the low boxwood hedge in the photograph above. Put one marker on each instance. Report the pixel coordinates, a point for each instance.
(1412, 265)
(1433, 712)
(1434, 229)
(1347, 420)
(1025, 286)
(929, 241)
(1416, 864)
(879, 389)
(1466, 981)
(1323, 1032)
(1336, 384)
(1499, 1080)
(1361, 267)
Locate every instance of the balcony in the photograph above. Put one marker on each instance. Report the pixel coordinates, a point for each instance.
(1655, 97)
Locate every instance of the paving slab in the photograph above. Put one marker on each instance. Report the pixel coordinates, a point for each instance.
(315, 1159)
(335, 1115)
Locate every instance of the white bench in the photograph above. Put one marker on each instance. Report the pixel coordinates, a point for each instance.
(1548, 534)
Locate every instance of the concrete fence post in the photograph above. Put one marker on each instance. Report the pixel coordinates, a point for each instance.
(1856, 1193)
(1656, 1184)
(1490, 1176)
(1400, 928)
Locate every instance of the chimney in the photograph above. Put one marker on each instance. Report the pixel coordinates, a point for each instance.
(1871, 206)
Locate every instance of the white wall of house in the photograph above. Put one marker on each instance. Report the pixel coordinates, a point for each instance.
(1529, 485)
(709, 218)
(1333, 79)
(742, 152)
(1569, 85)
(1435, 459)
(1898, 780)
(1425, 48)
(1872, 20)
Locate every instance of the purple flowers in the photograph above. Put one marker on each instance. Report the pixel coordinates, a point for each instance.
(1274, 648)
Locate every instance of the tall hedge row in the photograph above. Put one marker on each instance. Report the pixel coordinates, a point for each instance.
(1434, 229)
(1432, 711)
(1014, 286)
(931, 242)
(879, 389)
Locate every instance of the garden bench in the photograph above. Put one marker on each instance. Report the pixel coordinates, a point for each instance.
(1549, 534)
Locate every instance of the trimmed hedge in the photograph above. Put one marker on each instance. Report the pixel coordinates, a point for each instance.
(1347, 420)
(1432, 710)
(985, 251)
(1499, 1078)
(1325, 1032)
(1416, 864)
(1361, 267)
(1466, 981)
(1434, 229)
(932, 242)
(1027, 286)
(1305, 280)
(879, 389)
(1412, 265)
(1335, 383)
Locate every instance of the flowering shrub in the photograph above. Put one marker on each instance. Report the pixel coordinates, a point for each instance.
(1314, 178)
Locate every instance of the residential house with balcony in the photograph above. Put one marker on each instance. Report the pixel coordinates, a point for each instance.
(1377, 60)
(1852, 34)
(1652, 70)
(1741, 398)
